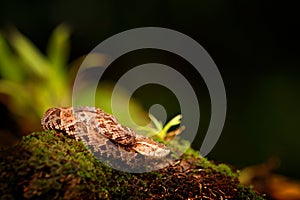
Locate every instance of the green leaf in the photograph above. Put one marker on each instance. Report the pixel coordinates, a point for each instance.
(9, 67)
(58, 51)
(59, 47)
(173, 122)
(30, 55)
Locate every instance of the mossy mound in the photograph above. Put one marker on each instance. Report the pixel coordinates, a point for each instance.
(49, 165)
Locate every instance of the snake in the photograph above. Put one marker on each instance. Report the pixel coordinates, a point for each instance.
(111, 142)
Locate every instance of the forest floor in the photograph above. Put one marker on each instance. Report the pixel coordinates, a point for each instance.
(49, 165)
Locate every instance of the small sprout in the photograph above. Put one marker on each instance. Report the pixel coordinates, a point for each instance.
(161, 132)
(173, 122)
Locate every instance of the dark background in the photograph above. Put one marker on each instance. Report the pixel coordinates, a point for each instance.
(255, 45)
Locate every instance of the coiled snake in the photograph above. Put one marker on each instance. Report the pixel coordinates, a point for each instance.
(108, 140)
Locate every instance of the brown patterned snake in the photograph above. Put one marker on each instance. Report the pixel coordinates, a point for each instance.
(109, 141)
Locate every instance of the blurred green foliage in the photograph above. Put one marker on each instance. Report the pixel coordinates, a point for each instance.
(34, 82)
(31, 80)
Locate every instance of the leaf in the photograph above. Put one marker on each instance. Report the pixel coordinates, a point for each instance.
(30, 55)
(58, 46)
(173, 122)
(9, 67)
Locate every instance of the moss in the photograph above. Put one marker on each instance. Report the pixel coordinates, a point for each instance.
(248, 193)
(49, 165)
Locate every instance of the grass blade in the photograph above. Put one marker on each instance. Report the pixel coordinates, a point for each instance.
(59, 47)
(30, 55)
(9, 67)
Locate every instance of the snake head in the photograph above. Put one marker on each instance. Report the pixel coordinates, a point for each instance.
(61, 119)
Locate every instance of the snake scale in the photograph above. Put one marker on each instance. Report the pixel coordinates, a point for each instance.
(109, 141)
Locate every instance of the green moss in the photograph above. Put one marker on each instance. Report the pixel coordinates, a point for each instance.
(206, 164)
(44, 165)
(248, 193)
(49, 165)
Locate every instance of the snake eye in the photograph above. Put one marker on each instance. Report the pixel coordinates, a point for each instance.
(58, 121)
